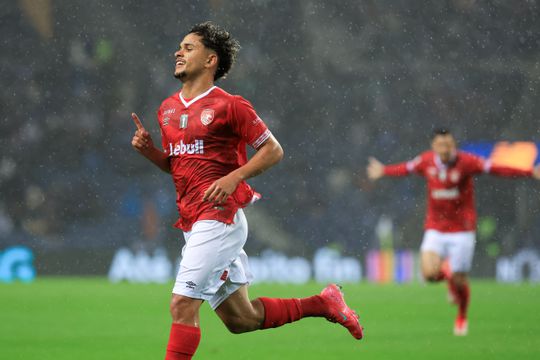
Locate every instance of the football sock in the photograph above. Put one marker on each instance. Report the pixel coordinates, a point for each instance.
(183, 342)
(278, 312)
(313, 306)
(452, 288)
(464, 294)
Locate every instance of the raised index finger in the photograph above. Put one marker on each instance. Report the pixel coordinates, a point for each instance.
(137, 121)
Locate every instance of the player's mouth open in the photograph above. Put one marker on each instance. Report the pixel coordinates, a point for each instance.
(180, 62)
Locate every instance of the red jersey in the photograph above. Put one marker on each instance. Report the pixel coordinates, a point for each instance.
(205, 139)
(450, 187)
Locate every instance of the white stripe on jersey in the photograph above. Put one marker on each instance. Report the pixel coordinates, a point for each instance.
(265, 135)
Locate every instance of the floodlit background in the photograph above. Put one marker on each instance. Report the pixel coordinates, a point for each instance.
(336, 82)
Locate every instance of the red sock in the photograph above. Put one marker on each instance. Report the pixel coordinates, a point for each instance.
(464, 295)
(278, 312)
(183, 342)
(313, 306)
(452, 288)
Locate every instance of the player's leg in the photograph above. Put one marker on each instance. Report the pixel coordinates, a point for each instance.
(431, 264)
(186, 301)
(460, 256)
(204, 258)
(241, 315)
(463, 294)
(185, 334)
(432, 255)
(434, 266)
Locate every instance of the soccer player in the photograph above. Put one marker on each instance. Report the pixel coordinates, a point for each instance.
(450, 222)
(204, 133)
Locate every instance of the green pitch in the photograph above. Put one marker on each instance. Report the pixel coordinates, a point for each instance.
(74, 318)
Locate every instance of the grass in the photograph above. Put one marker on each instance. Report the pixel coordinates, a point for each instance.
(81, 318)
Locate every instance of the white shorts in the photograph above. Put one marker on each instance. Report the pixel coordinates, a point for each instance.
(458, 247)
(214, 264)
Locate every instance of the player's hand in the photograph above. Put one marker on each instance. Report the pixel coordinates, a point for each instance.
(220, 190)
(142, 140)
(536, 172)
(375, 169)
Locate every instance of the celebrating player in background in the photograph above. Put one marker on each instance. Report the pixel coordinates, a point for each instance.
(451, 215)
(204, 135)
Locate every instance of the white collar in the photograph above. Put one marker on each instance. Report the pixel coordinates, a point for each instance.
(198, 97)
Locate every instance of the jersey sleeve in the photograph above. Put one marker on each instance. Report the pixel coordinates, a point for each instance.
(476, 164)
(509, 172)
(405, 168)
(247, 124)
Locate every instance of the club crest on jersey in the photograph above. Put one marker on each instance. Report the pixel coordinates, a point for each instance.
(183, 121)
(454, 176)
(207, 116)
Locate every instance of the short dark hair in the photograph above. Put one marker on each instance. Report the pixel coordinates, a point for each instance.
(219, 40)
(440, 131)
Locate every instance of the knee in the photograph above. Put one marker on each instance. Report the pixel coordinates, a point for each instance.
(178, 302)
(431, 276)
(182, 308)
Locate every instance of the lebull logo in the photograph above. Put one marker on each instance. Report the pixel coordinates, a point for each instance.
(180, 149)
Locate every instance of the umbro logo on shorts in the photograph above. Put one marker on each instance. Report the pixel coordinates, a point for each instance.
(191, 285)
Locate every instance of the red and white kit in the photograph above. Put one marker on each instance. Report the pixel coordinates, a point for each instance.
(451, 213)
(205, 139)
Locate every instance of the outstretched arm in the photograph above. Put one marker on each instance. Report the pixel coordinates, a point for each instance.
(269, 154)
(511, 172)
(377, 169)
(142, 142)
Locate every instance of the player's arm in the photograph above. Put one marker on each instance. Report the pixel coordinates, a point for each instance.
(142, 142)
(479, 165)
(377, 169)
(267, 155)
(511, 172)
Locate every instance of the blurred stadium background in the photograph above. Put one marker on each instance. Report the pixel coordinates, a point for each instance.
(336, 81)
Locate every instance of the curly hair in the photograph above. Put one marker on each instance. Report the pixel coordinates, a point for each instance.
(219, 40)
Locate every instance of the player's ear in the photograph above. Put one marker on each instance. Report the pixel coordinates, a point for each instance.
(212, 60)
